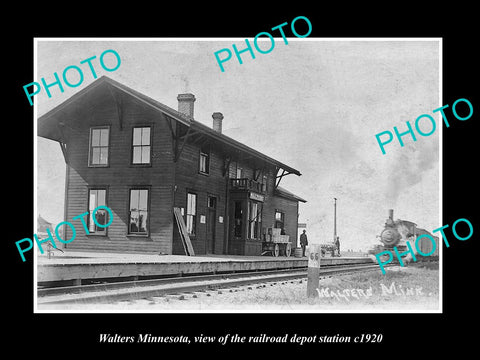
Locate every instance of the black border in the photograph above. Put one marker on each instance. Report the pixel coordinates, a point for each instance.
(408, 333)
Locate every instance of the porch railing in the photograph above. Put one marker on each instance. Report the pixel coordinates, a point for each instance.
(248, 184)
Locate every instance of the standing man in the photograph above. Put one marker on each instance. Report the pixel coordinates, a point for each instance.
(303, 242)
(337, 244)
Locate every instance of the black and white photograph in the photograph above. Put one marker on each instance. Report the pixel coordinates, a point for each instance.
(236, 181)
(216, 186)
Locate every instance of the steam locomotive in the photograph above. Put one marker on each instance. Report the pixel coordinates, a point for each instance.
(397, 232)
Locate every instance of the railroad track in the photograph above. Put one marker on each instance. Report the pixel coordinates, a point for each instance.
(134, 290)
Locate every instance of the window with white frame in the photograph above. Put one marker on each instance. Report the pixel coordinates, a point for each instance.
(99, 143)
(138, 214)
(279, 219)
(204, 165)
(255, 220)
(97, 197)
(191, 215)
(141, 145)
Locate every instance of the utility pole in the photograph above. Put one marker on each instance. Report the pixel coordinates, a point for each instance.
(335, 220)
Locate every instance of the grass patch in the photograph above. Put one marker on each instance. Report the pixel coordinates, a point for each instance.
(402, 289)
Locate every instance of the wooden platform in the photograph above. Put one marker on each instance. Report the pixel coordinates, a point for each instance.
(74, 266)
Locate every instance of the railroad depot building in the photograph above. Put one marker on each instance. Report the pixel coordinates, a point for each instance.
(144, 159)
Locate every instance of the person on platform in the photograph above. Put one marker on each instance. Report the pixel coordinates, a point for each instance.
(337, 244)
(303, 242)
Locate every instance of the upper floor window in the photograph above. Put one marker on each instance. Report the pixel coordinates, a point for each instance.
(204, 166)
(99, 140)
(279, 219)
(141, 145)
(264, 182)
(239, 172)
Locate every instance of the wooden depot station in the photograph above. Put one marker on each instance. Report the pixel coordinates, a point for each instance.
(174, 185)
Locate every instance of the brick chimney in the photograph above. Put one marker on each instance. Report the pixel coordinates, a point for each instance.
(185, 104)
(217, 121)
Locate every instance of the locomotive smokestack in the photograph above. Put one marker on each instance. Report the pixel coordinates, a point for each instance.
(390, 214)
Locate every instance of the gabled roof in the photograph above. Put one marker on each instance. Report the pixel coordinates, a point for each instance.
(48, 117)
(125, 89)
(238, 145)
(279, 191)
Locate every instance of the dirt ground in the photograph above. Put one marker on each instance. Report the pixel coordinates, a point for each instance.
(401, 289)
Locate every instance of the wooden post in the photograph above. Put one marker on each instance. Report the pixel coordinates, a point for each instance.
(313, 272)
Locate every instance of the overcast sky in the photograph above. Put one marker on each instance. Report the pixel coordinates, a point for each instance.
(313, 104)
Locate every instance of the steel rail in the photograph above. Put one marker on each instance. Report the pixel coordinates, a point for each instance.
(132, 290)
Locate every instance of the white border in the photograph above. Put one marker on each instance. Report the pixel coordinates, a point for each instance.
(440, 176)
(35, 175)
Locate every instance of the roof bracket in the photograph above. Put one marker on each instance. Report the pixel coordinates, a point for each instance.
(257, 171)
(173, 126)
(61, 141)
(226, 165)
(279, 177)
(179, 144)
(63, 146)
(118, 106)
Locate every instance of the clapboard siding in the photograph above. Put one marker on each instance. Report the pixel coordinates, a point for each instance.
(120, 176)
(93, 244)
(247, 169)
(290, 209)
(268, 213)
(188, 179)
(167, 180)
